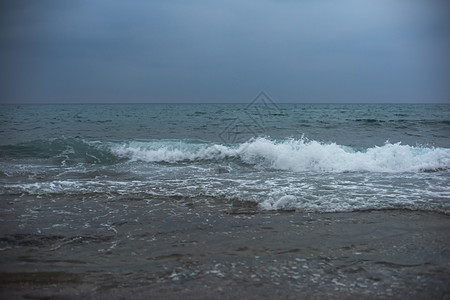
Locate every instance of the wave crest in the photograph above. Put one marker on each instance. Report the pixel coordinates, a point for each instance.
(171, 151)
(297, 155)
(293, 155)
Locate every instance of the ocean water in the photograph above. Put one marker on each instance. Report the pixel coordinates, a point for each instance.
(308, 158)
(134, 189)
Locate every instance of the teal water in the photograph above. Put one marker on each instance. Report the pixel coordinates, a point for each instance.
(355, 125)
(312, 158)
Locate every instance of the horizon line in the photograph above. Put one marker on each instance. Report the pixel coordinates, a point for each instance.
(150, 103)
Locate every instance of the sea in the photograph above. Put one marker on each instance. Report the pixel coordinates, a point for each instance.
(249, 200)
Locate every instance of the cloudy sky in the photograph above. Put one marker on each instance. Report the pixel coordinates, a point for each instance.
(224, 51)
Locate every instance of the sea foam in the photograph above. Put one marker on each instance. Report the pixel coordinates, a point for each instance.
(296, 155)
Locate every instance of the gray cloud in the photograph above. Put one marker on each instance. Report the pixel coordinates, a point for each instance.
(206, 51)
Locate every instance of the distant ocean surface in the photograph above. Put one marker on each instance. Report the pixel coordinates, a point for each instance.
(99, 178)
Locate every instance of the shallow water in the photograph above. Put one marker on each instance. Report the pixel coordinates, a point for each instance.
(193, 254)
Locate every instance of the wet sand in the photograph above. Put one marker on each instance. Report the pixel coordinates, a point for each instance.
(242, 255)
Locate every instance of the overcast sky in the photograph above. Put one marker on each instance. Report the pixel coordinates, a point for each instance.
(224, 51)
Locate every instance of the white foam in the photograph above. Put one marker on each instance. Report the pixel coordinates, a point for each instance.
(294, 155)
(171, 151)
(302, 155)
(286, 202)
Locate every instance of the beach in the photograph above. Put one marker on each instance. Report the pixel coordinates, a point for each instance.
(224, 150)
(227, 201)
(374, 254)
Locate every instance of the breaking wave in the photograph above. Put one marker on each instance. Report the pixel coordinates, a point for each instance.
(294, 155)
(297, 155)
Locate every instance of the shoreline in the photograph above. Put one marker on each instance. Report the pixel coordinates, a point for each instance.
(371, 254)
